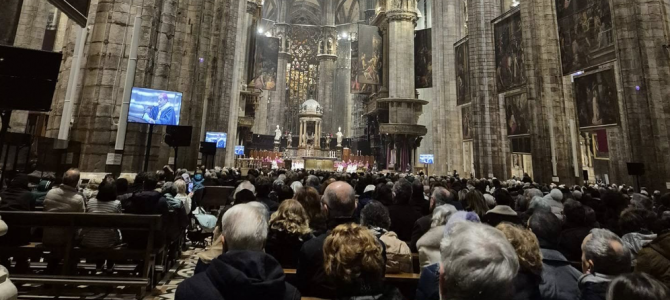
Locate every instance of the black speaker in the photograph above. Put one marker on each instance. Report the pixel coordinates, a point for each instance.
(178, 136)
(208, 148)
(635, 169)
(586, 174)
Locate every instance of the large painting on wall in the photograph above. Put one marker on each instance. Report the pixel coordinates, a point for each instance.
(366, 60)
(423, 59)
(517, 115)
(265, 63)
(466, 120)
(510, 70)
(596, 97)
(462, 50)
(585, 33)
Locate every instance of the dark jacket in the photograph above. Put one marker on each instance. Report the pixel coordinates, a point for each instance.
(570, 242)
(527, 286)
(145, 203)
(594, 287)
(428, 287)
(285, 247)
(421, 226)
(559, 278)
(378, 291)
(654, 259)
(499, 214)
(403, 217)
(243, 275)
(271, 205)
(16, 198)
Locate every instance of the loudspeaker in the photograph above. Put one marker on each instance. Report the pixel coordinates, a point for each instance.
(208, 148)
(178, 136)
(635, 169)
(586, 175)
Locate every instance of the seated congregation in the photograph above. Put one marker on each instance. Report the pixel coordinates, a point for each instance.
(318, 235)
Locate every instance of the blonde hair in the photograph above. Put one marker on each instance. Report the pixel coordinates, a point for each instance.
(180, 186)
(290, 217)
(525, 245)
(350, 251)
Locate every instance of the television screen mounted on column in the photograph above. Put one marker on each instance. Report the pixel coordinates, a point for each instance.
(156, 107)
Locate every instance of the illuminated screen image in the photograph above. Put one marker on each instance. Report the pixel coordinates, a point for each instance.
(217, 137)
(427, 159)
(156, 107)
(239, 150)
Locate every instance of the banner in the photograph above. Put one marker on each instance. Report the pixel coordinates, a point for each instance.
(596, 97)
(510, 69)
(265, 63)
(517, 113)
(585, 34)
(462, 50)
(366, 60)
(423, 59)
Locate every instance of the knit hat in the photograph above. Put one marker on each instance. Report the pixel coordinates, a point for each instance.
(556, 194)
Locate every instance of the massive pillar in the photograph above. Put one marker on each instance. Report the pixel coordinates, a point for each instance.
(488, 143)
(327, 61)
(644, 70)
(247, 13)
(342, 100)
(277, 105)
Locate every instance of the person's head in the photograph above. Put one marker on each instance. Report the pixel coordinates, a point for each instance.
(71, 178)
(286, 192)
(417, 190)
(546, 227)
(402, 191)
(351, 255)
(339, 200)
(291, 218)
(311, 201)
(441, 196)
(245, 185)
(441, 215)
(525, 245)
(574, 213)
(244, 196)
(107, 190)
(180, 187)
(474, 202)
(121, 186)
(637, 220)
(150, 182)
(641, 201)
(384, 194)
(503, 197)
(604, 252)
(313, 181)
(375, 214)
(162, 99)
(539, 204)
(263, 186)
(244, 227)
(638, 286)
(477, 262)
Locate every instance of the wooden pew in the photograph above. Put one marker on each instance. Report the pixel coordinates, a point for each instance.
(71, 255)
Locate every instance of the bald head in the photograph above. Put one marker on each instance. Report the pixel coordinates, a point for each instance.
(442, 196)
(604, 252)
(340, 199)
(71, 178)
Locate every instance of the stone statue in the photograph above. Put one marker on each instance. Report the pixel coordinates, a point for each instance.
(339, 136)
(328, 141)
(289, 140)
(277, 134)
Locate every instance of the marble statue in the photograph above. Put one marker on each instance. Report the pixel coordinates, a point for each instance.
(277, 134)
(328, 141)
(289, 140)
(339, 136)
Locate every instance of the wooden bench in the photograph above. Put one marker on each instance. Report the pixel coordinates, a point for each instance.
(71, 255)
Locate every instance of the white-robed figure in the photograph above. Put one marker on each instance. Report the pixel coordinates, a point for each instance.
(339, 136)
(277, 134)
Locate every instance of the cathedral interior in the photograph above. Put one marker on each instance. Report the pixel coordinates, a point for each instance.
(563, 91)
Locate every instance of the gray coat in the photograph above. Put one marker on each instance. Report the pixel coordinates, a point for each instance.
(559, 278)
(61, 199)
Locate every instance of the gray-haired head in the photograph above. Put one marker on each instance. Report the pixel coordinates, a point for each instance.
(442, 196)
(244, 227)
(604, 252)
(262, 208)
(477, 263)
(313, 181)
(539, 204)
(441, 215)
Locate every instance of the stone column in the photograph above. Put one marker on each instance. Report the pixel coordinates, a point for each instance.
(327, 63)
(640, 29)
(277, 105)
(488, 141)
(245, 21)
(401, 52)
(9, 21)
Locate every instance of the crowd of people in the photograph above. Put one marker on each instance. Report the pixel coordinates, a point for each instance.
(475, 238)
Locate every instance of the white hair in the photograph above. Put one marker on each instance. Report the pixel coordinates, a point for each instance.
(244, 227)
(477, 262)
(441, 214)
(245, 185)
(607, 252)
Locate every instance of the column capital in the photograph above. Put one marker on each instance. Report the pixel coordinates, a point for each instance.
(402, 15)
(252, 6)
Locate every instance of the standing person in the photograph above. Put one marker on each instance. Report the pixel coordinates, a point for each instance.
(604, 257)
(65, 198)
(147, 202)
(528, 279)
(654, 258)
(104, 202)
(403, 215)
(289, 230)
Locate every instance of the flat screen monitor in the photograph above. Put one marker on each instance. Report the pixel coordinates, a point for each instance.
(156, 107)
(427, 159)
(239, 150)
(219, 138)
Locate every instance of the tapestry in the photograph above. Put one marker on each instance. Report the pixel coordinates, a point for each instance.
(367, 66)
(596, 97)
(423, 59)
(265, 63)
(462, 50)
(517, 115)
(510, 70)
(585, 34)
(466, 120)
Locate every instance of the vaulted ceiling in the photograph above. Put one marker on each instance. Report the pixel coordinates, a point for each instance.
(309, 12)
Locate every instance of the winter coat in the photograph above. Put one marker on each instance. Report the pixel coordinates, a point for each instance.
(421, 226)
(285, 247)
(61, 199)
(570, 242)
(429, 246)
(634, 241)
(594, 286)
(654, 259)
(428, 287)
(527, 286)
(398, 255)
(403, 217)
(239, 275)
(146, 203)
(559, 278)
(366, 291)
